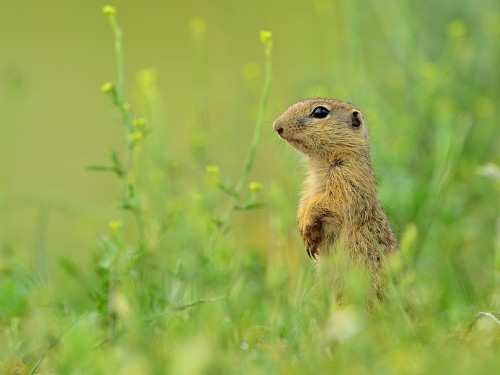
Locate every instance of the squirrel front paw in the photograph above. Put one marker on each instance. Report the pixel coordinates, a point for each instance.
(312, 237)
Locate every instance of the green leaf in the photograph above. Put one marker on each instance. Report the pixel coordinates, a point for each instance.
(103, 168)
(228, 190)
(250, 206)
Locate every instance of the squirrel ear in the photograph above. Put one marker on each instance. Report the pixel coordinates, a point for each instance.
(356, 119)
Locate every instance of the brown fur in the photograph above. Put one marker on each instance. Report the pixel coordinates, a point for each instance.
(339, 207)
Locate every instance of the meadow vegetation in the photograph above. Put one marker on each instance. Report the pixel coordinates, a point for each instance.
(197, 268)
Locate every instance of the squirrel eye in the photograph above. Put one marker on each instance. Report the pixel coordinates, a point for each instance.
(320, 112)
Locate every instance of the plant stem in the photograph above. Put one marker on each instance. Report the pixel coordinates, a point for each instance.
(252, 152)
(124, 109)
(264, 99)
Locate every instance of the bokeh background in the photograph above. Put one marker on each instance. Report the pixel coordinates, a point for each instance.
(424, 72)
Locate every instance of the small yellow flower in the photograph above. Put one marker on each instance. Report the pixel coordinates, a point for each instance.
(135, 137)
(255, 187)
(139, 123)
(109, 11)
(115, 225)
(147, 77)
(126, 106)
(198, 26)
(457, 29)
(266, 36)
(212, 170)
(107, 88)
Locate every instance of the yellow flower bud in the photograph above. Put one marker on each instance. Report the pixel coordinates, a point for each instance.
(266, 36)
(107, 88)
(139, 123)
(212, 170)
(135, 137)
(457, 29)
(109, 11)
(198, 27)
(115, 225)
(255, 187)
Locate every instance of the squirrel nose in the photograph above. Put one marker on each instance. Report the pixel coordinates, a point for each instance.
(278, 128)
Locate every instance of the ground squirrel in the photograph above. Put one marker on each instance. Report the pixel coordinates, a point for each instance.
(339, 206)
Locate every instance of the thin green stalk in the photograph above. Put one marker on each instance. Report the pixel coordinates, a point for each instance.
(52, 344)
(198, 29)
(264, 99)
(124, 108)
(41, 248)
(118, 95)
(120, 83)
(120, 65)
(266, 38)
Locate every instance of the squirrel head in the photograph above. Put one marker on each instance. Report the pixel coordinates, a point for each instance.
(325, 129)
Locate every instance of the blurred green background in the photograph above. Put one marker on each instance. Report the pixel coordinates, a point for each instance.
(418, 69)
(424, 72)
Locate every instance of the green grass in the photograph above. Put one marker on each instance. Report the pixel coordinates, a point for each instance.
(198, 267)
